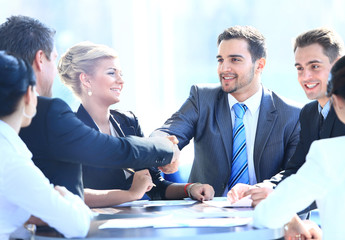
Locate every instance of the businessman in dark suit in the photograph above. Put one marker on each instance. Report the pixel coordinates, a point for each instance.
(270, 122)
(59, 141)
(315, 53)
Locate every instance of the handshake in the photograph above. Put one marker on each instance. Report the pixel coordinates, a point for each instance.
(173, 166)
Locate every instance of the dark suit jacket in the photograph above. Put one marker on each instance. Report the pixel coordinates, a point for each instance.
(126, 124)
(61, 143)
(332, 127)
(205, 116)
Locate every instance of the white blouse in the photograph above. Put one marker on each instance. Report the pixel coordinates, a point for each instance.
(321, 178)
(25, 191)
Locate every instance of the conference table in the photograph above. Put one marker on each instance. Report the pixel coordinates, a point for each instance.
(178, 220)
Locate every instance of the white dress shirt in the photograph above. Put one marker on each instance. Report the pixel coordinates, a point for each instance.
(250, 122)
(320, 178)
(25, 191)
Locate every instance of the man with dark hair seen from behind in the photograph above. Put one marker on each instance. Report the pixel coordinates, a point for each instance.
(59, 141)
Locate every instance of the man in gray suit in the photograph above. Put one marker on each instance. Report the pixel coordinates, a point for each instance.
(271, 123)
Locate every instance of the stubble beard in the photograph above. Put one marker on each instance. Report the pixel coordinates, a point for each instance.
(239, 82)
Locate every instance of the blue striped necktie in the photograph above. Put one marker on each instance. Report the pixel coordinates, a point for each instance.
(239, 166)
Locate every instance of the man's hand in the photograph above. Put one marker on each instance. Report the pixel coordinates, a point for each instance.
(237, 192)
(202, 192)
(174, 164)
(173, 139)
(258, 194)
(176, 150)
(170, 168)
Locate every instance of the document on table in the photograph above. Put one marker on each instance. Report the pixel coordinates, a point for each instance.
(223, 202)
(133, 222)
(171, 221)
(157, 203)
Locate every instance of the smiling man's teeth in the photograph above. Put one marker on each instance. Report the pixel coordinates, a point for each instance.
(115, 89)
(310, 85)
(228, 78)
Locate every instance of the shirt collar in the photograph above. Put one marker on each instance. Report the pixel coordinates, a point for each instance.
(325, 109)
(12, 137)
(253, 103)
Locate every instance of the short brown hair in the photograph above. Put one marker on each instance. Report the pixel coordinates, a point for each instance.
(330, 41)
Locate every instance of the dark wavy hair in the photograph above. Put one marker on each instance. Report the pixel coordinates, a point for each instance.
(16, 75)
(336, 81)
(23, 36)
(255, 40)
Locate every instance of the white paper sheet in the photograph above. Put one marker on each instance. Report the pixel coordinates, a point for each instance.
(170, 221)
(223, 202)
(157, 203)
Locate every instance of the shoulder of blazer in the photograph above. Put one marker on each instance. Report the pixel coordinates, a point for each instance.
(51, 108)
(208, 91)
(310, 106)
(280, 101)
(44, 103)
(309, 110)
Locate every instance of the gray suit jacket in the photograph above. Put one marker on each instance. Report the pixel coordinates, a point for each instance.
(205, 116)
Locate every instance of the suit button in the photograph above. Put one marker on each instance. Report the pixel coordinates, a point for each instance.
(158, 160)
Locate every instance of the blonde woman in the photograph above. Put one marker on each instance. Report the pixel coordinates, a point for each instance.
(94, 74)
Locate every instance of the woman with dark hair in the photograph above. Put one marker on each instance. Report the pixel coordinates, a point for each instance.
(24, 190)
(321, 178)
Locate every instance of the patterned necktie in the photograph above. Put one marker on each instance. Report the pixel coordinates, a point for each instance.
(239, 167)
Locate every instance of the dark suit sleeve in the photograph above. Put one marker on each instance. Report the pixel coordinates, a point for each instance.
(158, 192)
(182, 123)
(72, 141)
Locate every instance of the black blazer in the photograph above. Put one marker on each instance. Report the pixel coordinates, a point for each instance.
(61, 143)
(309, 117)
(126, 124)
(309, 120)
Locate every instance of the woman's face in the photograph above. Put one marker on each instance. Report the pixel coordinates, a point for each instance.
(106, 81)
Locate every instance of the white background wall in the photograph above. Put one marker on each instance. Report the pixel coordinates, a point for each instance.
(166, 46)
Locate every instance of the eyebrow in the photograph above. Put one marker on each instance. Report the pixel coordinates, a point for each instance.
(231, 55)
(112, 68)
(310, 62)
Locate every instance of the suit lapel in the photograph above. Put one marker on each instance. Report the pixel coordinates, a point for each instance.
(223, 118)
(84, 116)
(267, 118)
(116, 125)
(313, 122)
